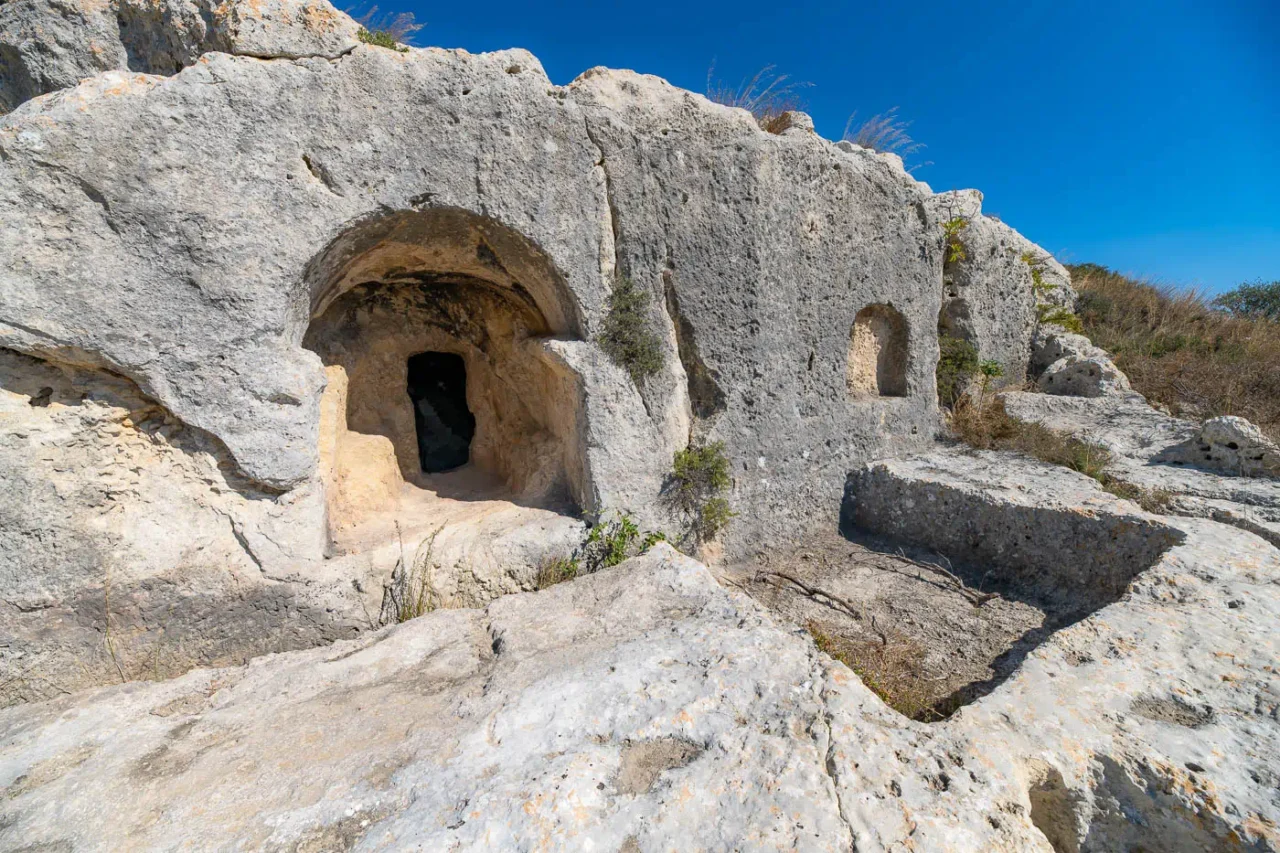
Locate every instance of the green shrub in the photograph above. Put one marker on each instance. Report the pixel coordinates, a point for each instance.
(699, 478)
(387, 31)
(952, 229)
(1257, 301)
(957, 365)
(380, 38)
(1058, 316)
(628, 337)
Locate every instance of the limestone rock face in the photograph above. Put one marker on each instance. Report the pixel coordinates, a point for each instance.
(1237, 446)
(240, 200)
(47, 45)
(989, 293)
(1173, 461)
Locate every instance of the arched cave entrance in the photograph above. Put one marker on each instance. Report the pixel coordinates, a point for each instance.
(432, 327)
(878, 353)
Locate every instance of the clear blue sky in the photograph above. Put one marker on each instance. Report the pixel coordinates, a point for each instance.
(1139, 134)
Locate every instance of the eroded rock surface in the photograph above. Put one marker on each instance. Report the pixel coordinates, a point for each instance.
(648, 703)
(1165, 456)
(47, 45)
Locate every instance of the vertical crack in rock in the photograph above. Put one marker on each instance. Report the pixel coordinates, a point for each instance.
(609, 252)
(706, 397)
(822, 731)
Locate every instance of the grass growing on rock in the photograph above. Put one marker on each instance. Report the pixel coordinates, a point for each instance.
(608, 543)
(982, 422)
(387, 31)
(891, 669)
(767, 96)
(1180, 351)
(628, 337)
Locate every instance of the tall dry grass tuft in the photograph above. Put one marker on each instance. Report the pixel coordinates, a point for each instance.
(767, 95)
(884, 132)
(1180, 351)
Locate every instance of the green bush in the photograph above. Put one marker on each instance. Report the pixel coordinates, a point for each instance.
(1257, 301)
(1057, 316)
(957, 365)
(380, 38)
(952, 229)
(387, 30)
(628, 337)
(699, 478)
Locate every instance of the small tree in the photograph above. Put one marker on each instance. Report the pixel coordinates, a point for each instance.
(699, 478)
(628, 337)
(1256, 301)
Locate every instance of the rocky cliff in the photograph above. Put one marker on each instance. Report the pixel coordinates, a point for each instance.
(226, 234)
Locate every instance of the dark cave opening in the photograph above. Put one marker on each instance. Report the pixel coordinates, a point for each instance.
(445, 425)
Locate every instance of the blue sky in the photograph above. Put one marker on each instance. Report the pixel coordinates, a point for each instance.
(1138, 134)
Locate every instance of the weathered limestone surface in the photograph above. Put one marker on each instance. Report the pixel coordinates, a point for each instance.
(1068, 364)
(647, 708)
(988, 297)
(47, 45)
(223, 230)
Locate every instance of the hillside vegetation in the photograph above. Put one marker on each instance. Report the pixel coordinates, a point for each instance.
(1180, 350)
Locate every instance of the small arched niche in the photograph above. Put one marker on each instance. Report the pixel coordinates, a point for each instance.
(432, 326)
(878, 353)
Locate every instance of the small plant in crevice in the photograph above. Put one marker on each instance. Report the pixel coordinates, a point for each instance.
(1056, 315)
(411, 591)
(885, 133)
(1154, 501)
(958, 364)
(952, 230)
(628, 336)
(608, 542)
(393, 32)
(1048, 313)
(767, 95)
(556, 570)
(696, 489)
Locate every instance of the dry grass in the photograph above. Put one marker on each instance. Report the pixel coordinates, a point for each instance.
(411, 592)
(767, 95)
(892, 669)
(556, 570)
(982, 422)
(884, 132)
(1179, 351)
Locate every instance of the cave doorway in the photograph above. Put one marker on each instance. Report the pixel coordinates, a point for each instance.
(444, 423)
(448, 395)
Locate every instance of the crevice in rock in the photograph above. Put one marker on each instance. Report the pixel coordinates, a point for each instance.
(705, 395)
(828, 749)
(321, 174)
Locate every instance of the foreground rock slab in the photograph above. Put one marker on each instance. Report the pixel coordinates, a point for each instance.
(647, 708)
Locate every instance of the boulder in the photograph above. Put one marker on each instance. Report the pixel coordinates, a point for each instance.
(1069, 364)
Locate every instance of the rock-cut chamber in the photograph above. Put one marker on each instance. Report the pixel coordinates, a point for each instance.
(433, 328)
